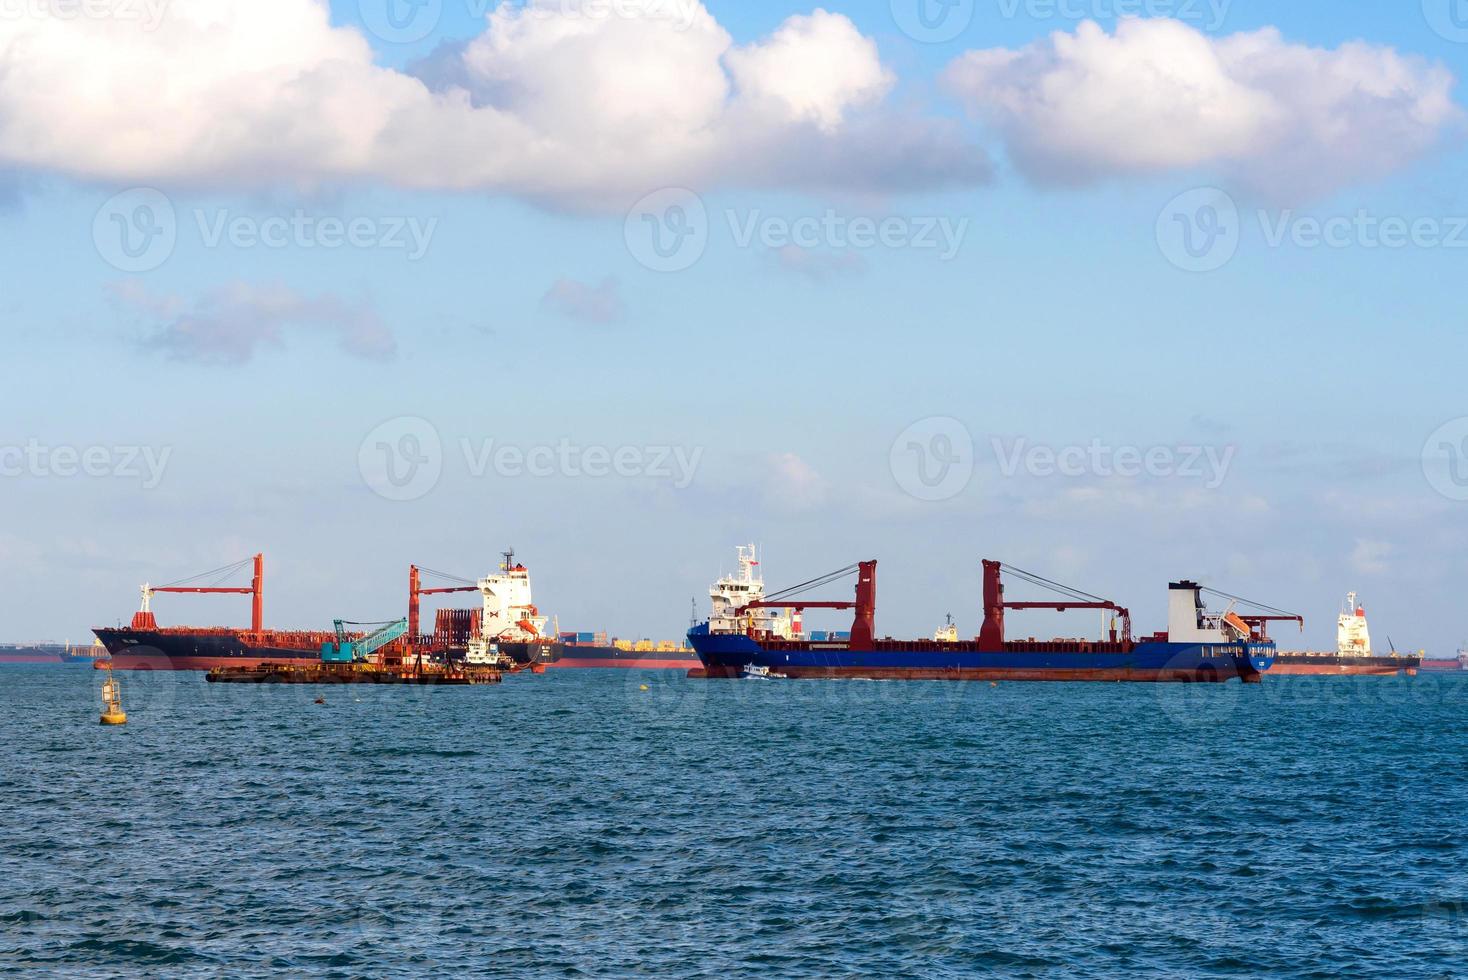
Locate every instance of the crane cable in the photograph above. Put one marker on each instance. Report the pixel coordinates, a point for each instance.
(811, 584)
(1251, 602)
(223, 573)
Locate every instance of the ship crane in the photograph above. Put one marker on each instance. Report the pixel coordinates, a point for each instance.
(143, 619)
(416, 592)
(991, 635)
(863, 626)
(1262, 620)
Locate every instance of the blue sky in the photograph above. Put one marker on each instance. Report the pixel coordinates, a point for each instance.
(1061, 320)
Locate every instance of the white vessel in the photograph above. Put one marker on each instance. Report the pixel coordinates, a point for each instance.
(731, 592)
(509, 616)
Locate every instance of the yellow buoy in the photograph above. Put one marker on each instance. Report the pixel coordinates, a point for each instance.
(112, 713)
(643, 688)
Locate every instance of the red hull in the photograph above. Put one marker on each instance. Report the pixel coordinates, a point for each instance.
(159, 662)
(983, 674)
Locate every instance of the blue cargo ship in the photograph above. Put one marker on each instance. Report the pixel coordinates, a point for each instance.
(748, 634)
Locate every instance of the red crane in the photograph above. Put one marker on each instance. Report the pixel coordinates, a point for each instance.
(144, 619)
(416, 591)
(863, 627)
(991, 634)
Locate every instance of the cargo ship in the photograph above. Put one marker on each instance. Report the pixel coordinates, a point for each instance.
(50, 653)
(749, 634)
(19, 653)
(1352, 657)
(595, 650)
(506, 623)
(1440, 664)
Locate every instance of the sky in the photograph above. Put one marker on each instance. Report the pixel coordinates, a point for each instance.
(1116, 291)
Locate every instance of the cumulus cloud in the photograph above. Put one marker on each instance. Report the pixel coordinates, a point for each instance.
(549, 102)
(1158, 95)
(579, 301)
(229, 324)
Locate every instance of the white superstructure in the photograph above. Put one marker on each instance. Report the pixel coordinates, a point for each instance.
(1353, 639)
(1189, 621)
(509, 614)
(732, 592)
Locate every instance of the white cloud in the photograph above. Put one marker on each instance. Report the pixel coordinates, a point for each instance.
(793, 484)
(1158, 95)
(229, 324)
(546, 103)
(579, 301)
(1370, 557)
(815, 68)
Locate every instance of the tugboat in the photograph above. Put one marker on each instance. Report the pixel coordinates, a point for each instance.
(1353, 655)
(748, 629)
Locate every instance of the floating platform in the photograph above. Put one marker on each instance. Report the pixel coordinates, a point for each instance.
(323, 673)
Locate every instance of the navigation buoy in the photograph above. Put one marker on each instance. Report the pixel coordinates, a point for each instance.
(112, 713)
(643, 688)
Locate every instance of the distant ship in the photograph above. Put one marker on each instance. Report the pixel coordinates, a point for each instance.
(1456, 664)
(751, 634)
(50, 653)
(1353, 655)
(507, 622)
